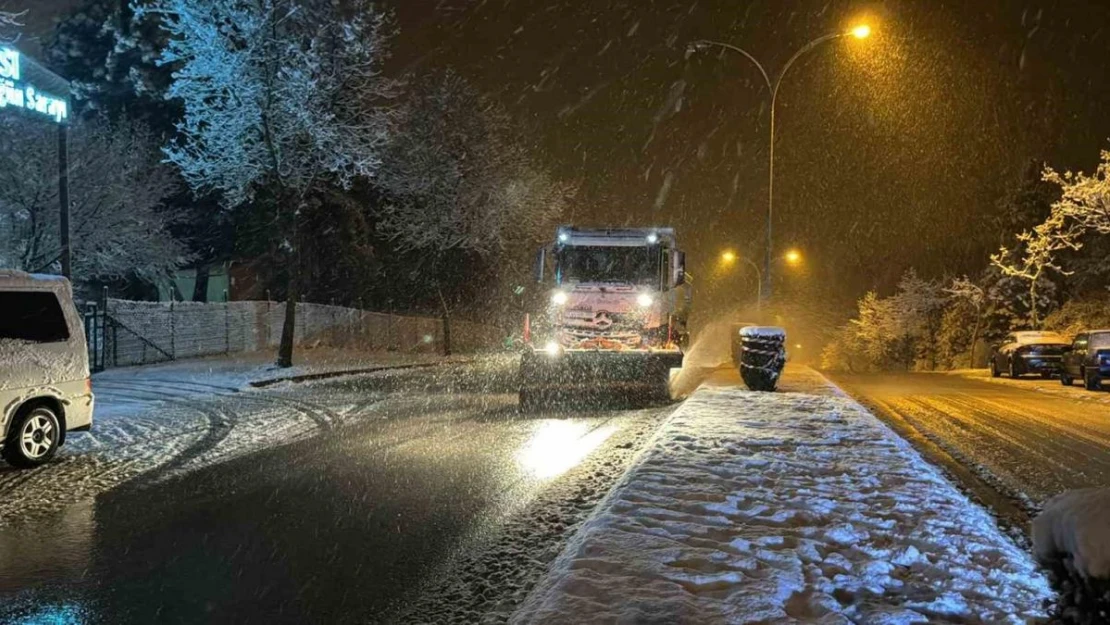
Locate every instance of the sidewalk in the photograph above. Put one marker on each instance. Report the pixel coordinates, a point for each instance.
(258, 368)
(785, 507)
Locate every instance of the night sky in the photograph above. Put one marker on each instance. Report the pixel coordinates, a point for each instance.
(892, 152)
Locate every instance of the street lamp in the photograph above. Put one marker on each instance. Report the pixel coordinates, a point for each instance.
(793, 257)
(861, 31)
(728, 257)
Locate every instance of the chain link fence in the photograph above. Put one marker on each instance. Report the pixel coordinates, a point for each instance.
(125, 332)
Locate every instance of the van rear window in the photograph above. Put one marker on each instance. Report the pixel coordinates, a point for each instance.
(32, 316)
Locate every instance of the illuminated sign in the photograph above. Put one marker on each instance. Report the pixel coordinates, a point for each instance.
(19, 93)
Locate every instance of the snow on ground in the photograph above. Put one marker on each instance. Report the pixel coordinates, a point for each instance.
(775, 508)
(1051, 386)
(158, 421)
(241, 369)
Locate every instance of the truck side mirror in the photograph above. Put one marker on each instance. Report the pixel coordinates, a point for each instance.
(541, 263)
(678, 268)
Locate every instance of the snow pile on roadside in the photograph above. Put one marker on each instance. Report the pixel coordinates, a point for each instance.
(1072, 538)
(1075, 527)
(753, 507)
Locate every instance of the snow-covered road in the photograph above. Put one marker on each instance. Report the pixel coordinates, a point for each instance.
(158, 421)
(1029, 439)
(420, 496)
(786, 507)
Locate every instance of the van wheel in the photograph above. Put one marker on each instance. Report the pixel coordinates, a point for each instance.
(994, 369)
(1013, 370)
(1092, 382)
(1066, 379)
(33, 437)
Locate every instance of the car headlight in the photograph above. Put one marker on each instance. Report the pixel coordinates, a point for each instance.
(645, 300)
(552, 348)
(559, 298)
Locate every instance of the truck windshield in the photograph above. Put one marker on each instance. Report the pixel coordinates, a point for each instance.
(630, 265)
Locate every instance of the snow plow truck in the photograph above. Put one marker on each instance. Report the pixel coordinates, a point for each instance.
(612, 318)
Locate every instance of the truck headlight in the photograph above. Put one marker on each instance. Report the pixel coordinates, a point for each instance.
(559, 298)
(552, 348)
(645, 300)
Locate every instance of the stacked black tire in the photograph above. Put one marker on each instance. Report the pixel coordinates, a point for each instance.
(762, 356)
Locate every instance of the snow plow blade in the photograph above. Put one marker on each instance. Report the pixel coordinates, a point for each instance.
(585, 376)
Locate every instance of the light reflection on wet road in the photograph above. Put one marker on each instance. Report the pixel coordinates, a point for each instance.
(344, 527)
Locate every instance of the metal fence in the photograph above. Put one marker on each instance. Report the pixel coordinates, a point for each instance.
(123, 332)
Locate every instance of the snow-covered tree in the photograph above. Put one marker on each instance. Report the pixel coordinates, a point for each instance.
(964, 292)
(110, 57)
(117, 185)
(459, 177)
(1036, 255)
(915, 309)
(281, 97)
(1086, 198)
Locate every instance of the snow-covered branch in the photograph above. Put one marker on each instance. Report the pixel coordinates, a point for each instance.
(1037, 253)
(276, 92)
(1086, 198)
(117, 186)
(10, 22)
(458, 177)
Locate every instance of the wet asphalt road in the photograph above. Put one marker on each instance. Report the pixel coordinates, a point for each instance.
(443, 505)
(1029, 439)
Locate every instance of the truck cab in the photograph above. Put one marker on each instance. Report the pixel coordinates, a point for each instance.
(614, 310)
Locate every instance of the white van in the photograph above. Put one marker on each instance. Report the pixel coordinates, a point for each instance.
(45, 389)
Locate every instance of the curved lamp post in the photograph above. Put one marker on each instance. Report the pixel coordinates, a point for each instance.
(862, 31)
(728, 257)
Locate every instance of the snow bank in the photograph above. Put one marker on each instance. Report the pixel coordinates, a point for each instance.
(1075, 526)
(1072, 538)
(751, 507)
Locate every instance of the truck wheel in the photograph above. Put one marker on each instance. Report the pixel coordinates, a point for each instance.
(1066, 379)
(1092, 381)
(33, 437)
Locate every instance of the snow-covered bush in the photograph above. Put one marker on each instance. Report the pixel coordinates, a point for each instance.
(1088, 312)
(1072, 538)
(896, 332)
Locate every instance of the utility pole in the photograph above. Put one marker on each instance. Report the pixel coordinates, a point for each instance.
(63, 198)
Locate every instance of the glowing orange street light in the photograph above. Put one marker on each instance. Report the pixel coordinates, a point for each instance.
(793, 258)
(861, 31)
(728, 257)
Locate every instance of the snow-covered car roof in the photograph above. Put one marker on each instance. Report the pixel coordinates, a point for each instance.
(12, 278)
(1033, 337)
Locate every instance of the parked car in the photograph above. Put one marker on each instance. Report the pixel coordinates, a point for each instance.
(45, 389)
(1088, 360)
(1029, 352)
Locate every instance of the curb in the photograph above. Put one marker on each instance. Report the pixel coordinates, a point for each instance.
(307, 377)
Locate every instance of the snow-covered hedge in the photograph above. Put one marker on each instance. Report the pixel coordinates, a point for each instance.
(1072, 538)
